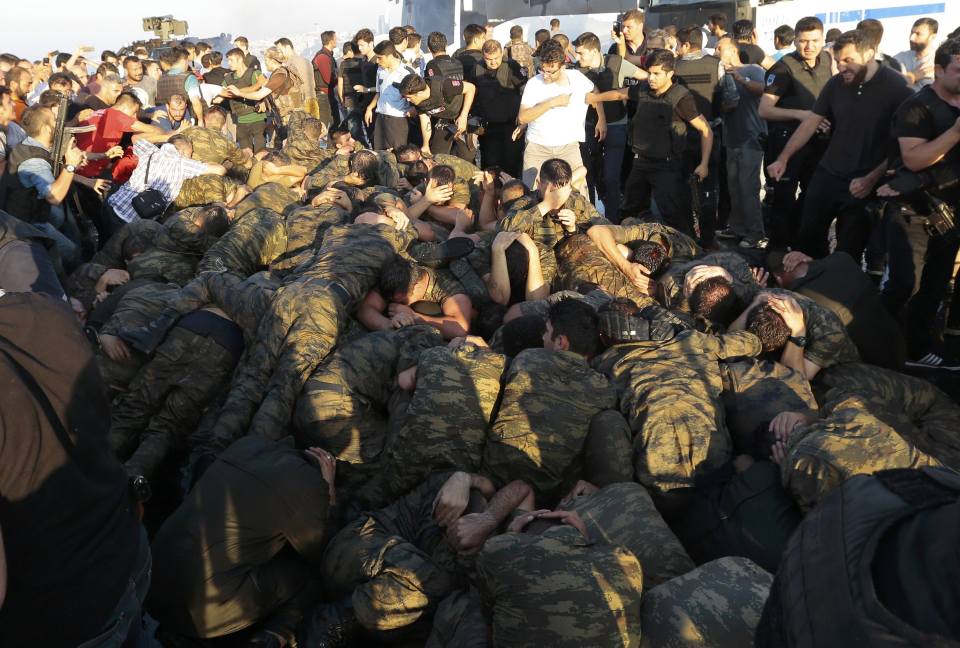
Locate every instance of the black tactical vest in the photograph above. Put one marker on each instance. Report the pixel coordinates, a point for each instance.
(656, 134)
(808, 82)
(701, 77)
(445, 67)
(606, 78)
(242, 106)
(321, 85)
(169, 85)
(15, 198)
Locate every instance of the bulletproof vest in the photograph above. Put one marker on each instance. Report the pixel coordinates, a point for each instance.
(242, 106)
(944, 117)
(656, 134)
(606, 78)
(701, 77)
(825, 593)
(14, 229)
(497, 99)
(321, 85)
(18, 200)
(440, 107)
(352, 75)
(169, 85)
(446, 67)
(808, 82)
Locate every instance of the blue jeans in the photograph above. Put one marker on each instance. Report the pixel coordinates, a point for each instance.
(125, 626)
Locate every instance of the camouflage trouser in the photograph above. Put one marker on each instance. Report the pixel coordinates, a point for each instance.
(677, 441)
(331, 415)
(717, 604)
(623, 514)
(251, 243)
(244, 301)
(459, 622)
(166, 398)
(607, 450)
(394, 582)
(297, 332)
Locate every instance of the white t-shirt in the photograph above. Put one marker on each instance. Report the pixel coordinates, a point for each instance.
(558, 126)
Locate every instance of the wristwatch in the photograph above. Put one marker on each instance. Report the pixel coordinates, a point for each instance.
(70, 168)
(799, 340)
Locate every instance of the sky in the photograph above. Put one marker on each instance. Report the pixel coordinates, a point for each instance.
(109, 24)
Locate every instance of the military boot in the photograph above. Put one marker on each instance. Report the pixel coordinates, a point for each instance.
(148, 456)
(471, 281)
(330, 625)
(147, 338)
(433, 255)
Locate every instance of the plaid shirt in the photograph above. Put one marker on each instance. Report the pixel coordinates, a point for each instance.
(168, 170)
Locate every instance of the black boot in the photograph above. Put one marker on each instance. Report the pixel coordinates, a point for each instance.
(330, 625)
(147, 338)
(435, 254)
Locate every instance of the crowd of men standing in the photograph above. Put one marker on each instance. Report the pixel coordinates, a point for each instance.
(515, 345)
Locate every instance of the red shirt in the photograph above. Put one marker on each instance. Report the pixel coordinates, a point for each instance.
(111, 125)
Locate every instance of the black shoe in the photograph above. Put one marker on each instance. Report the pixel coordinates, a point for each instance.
(454, 248)
(470, 280)
(147, 338)
(264, 639)
(330, 625)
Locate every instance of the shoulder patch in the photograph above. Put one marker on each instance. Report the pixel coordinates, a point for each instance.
(429, 71)
(771, 78)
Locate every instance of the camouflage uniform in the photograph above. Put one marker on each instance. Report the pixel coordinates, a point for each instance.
(744, 284)
(670, 393)
(464, 170)
(717, 605)
(305, 228)
(447, 417)
(253, 241)
(623, 514)
(459, 622)
(441, 286)
(82, 282)
(919, 411)
(395, 563)
(828, 342)
(176, 250)
(342, 406)
(212, 147)
(580, 261)
(334, 169)
(549, 398)
(526, 218)
(479, 262)
(168, 395)
(137, 308)
(754, 392)
(597, 299)
(204, 190)
(560, 589)
(271, 195)
(302, 324)
(680, 247)
(847, 441)
(306, 152)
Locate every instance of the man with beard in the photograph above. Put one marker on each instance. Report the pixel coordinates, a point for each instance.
(918, 60)
(859, 103)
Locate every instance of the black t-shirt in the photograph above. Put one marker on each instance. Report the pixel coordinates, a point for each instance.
(251, 61)
(70, 535)
(914, 118)
(860, 116)
(499, 91)
(215, 75)
(750, 53)
(798, 94)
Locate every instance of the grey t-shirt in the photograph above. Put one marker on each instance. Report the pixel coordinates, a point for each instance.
(742, 127)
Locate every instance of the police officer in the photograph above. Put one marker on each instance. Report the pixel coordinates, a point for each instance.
(665, 111)
(500, 86)
(793, 84)
(443, 107)
(703, 75)
(604, 159)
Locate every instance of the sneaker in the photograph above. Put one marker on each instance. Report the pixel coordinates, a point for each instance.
(933, 361)
(727, 233)
(760, 244)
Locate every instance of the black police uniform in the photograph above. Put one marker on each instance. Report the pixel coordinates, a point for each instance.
(498, 103)
(797, 85)
(444, 76)
(658, 138)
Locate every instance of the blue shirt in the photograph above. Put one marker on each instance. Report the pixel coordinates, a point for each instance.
(37, 173)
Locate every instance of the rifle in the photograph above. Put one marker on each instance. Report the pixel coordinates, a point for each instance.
(62, 134)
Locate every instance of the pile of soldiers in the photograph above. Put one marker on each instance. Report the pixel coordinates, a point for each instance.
(405, 400)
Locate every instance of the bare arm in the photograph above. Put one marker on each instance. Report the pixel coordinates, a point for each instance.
(531, 113)
(370, 312)
(801, 136)
(469, 93)
(706, 139)
(426, 131)
(617, 94)
(455, 321)
(536, 288)
(469, 532)
(918, 153)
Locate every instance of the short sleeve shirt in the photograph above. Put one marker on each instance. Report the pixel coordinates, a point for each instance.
(561, 125)
(111, 125)
(391, 103)
(685, 110)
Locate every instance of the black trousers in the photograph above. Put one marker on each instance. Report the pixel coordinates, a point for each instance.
(787, 205)
(390, 132)
(829, 197)
(443, 141)
(664, 182)
(498, 149)
(252, 136)
(922, 309)
(708, 186)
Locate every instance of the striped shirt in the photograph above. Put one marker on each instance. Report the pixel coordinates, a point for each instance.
(168, 170)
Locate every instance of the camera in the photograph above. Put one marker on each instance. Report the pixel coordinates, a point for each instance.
(618, 25)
